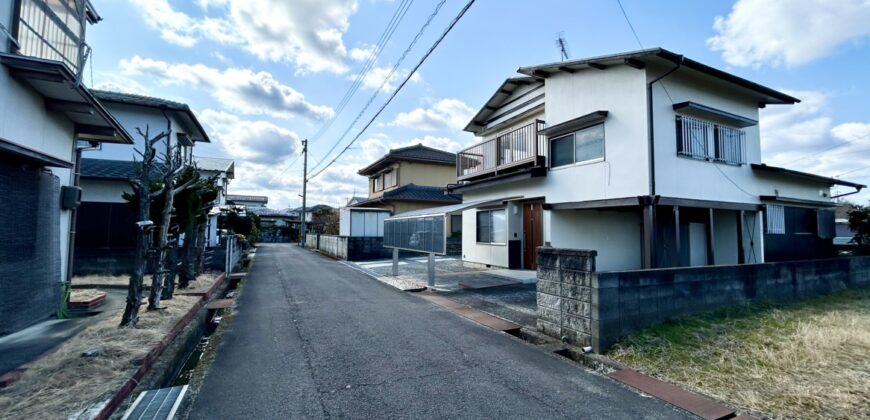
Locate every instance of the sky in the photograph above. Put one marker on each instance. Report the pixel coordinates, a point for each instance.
(261, 75)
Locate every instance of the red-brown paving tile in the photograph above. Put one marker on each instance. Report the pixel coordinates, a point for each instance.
(691, 402)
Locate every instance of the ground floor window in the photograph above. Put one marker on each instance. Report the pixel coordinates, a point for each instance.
(492, 226)
(775, 219)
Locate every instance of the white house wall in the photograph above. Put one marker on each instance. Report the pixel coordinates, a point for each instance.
(614, 235)
(25, 121)
(132, 118)
(101, 191)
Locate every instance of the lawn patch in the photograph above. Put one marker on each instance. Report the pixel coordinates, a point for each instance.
(809, 359)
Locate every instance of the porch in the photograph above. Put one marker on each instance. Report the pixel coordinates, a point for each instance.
(659, 232)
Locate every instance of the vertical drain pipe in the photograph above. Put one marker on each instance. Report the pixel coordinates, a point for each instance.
(651, 125)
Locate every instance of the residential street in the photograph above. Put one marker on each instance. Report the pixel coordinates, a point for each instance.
(313, 338)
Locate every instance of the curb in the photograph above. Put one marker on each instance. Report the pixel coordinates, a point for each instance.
(145, 363)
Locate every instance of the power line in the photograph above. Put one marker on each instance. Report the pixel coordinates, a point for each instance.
(385, 37)
(816, 154)
(383, 83)
(853, 170)
(404, 82)
(630, 26)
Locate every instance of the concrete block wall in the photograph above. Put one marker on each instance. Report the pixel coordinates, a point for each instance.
(352, 248)
(564, 294)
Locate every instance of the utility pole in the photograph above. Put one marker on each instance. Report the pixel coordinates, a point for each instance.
(304, 188)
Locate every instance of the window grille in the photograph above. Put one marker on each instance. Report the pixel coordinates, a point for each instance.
(701, 139)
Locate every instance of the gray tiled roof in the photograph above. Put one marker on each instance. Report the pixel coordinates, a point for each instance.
(413, 192)
(110, 169)
(419, 193)
(417, 153)
(215, 164)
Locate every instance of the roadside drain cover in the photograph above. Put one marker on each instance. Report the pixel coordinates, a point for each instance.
(156, 404)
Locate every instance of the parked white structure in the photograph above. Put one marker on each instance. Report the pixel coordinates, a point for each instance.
(648, 157)
(46, 116)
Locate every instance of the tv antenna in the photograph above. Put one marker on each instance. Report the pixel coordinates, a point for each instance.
(562, 44)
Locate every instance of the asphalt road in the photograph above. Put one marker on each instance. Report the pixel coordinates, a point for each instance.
(313, 338)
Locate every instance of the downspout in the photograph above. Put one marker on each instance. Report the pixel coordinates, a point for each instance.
(70, 251)
(651, 126)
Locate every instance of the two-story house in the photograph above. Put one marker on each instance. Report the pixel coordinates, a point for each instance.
(405, 179)
(47, 116)
(105, 225)
(648, 157)
(410, 178)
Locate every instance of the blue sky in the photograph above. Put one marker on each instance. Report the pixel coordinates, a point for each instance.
(263, 74)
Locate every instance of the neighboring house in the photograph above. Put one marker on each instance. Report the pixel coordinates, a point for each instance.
(248, 201)
(648, 157)
(310, 211)
(48, 115)
(106, 235)
(277, 225)
(355, 200)
(410, 178)
(222, 170)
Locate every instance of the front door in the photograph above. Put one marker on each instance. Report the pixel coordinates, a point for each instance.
(533, 234)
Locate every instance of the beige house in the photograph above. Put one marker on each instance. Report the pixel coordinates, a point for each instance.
(410, 178)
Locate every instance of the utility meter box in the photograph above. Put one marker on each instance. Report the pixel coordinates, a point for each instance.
(70, 197)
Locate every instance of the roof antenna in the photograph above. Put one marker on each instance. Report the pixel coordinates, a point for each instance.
(562, 44)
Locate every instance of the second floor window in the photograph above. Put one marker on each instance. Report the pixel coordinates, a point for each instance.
(580, 146)
(53, 30)
(706, 140)
(385, 180)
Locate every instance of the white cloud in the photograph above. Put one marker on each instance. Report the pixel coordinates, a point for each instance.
(790, 33)
(259, 142)
(238, 89)
(306, 33)
(446, 114)
(374, 79)
(802, 137)
(362, 53)
(125, 86)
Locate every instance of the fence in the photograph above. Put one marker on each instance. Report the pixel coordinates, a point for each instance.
(349, 248)
(597, 309)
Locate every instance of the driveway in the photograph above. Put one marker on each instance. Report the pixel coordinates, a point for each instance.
(314, 338)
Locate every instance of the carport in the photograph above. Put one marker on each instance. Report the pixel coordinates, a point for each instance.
(425, 231)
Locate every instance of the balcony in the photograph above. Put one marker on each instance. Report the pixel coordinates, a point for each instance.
(522, 147)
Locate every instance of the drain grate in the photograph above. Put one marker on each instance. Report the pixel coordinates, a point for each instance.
(156, 404)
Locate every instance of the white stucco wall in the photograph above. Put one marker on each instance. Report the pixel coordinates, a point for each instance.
(25, 121)
(615, 235)
(131, 118)
(100, 191)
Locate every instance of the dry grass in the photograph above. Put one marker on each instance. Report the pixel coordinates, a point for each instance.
(101, 280)
(84, 295)
(805, 360)
(64, 384)
(97, 280)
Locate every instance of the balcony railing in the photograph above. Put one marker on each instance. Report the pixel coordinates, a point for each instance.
(53, 30)
(514, 148)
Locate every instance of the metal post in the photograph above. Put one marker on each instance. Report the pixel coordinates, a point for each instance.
(431, 282)
(304, 188)
(395, 262)
(227, 257)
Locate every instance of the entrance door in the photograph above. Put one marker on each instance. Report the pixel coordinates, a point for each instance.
(533, 234)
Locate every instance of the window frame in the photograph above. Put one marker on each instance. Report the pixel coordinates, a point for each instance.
(573, 136)
(477, 223)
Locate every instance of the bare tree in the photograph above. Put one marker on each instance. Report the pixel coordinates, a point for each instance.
(173, 168)
(144, 192)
